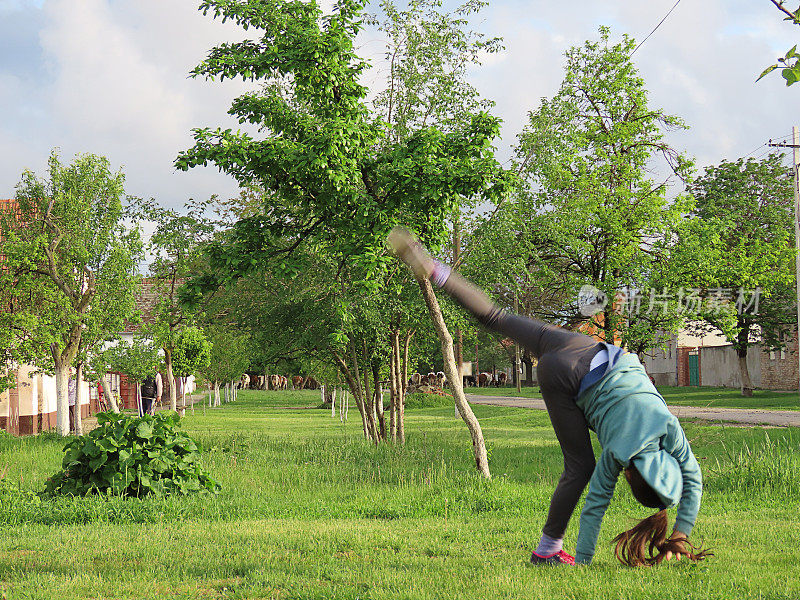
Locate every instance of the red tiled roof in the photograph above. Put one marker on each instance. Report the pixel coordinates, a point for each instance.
(146, 299)
(10, 205)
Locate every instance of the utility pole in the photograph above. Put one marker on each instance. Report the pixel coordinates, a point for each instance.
(516, 348)
(456, 258)
(795, 145)
(459, 336)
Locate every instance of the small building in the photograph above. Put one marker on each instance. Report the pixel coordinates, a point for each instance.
(710, 360)
(30, 406)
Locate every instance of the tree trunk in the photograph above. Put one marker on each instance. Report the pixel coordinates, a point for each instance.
(173, 396)
(451, 371)
(358, 392)
(111, 400)
(747, 385)
(78, 399)
(526, 360)
(369, 401)
(216, 393)
(400, 404)
(406, 343)
(182, 410)
(333, 404)
(62, 397)
(378, 389)
(393, 392)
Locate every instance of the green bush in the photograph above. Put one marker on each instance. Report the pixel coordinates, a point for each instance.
(423, 400)
(132, 456)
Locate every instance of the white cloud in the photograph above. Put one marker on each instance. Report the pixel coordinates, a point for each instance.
(112, 78)
(118, 85)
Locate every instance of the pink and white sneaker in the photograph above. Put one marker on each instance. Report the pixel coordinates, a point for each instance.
(558, 558)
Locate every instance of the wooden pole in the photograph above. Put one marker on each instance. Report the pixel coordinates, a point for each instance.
(516, 349)
(795, 144)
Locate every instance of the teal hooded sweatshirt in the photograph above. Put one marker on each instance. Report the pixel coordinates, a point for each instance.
(634, 426)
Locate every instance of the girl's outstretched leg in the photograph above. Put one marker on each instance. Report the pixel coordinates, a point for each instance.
(537, 336)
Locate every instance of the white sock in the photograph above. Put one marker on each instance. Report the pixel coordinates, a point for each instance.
(548, 546)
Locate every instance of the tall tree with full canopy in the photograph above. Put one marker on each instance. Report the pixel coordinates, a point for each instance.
(591, 212)
(339, 177)
(739, 253)
(175, 246)
(70, 266)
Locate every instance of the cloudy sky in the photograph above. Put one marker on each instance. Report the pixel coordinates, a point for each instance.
(110, 77)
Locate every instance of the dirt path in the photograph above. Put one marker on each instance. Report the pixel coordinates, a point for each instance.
(774, 418)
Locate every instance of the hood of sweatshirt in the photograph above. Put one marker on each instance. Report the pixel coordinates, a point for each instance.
(662, 472)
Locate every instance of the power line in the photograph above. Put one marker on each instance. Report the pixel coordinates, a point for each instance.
(756, 149)
(656, 27)
(773, 142)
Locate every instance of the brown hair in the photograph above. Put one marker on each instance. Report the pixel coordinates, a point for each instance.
(638, 546)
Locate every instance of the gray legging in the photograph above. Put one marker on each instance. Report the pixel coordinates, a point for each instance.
(564, 358)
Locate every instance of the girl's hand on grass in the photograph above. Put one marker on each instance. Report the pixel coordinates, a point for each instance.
(677, 536)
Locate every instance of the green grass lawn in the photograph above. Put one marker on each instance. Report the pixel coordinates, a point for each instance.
(704, 397)
(710, 397)
(309, 510)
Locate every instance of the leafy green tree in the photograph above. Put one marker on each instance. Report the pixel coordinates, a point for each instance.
(191, 355)
(591, 214)
(70, 266)
(229, 357)
(789, 64)
(337, 178)
(175, 246)
(137, 360)
(740, 252)
(429, 51)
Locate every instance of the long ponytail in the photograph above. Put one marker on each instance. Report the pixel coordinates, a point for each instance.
(647, 544)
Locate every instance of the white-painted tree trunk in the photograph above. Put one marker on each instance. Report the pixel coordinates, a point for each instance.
(216, 394)
(110, 398)
(346, 404)
(78, 399)
(62, 399)
(139, 407)
(173, 396)
(182, 411)
(321, 391)
(379, 408)
(333, 404)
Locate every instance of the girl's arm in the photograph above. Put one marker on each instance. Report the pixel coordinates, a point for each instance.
(601, 489)
(677, 445)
